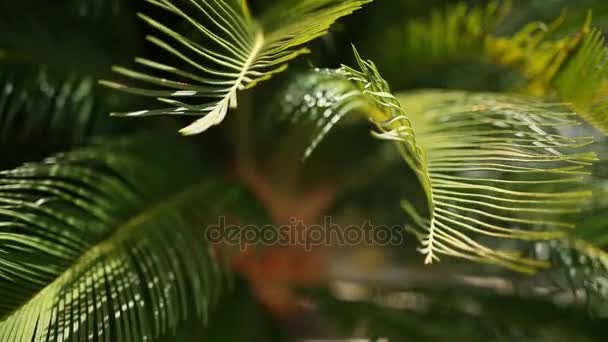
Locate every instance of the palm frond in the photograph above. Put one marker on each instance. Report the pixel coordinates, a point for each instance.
(583, 81)
(317, 100)
(63, 109)
(97, 245)
(581, 257)
(479, 158)
(237, 52)
(572, 67)
(454, 33)
(493, 166)
(499, 164)
(583, 264)
(38, 101)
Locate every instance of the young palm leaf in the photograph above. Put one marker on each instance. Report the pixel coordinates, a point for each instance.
(236, 52)
(493, 166)
(97, 245)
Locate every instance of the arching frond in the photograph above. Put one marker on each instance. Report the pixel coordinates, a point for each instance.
(235, 52)
(493, 166)
(97, 245)
(573, 67)
(498, 167)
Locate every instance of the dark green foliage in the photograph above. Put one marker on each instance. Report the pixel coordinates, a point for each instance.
(102, 219)
(457, 317)
(41, 103)
(98, 223)
(82, 36)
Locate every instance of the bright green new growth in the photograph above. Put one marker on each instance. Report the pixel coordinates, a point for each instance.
(573, 67)
(584, 80)
(493, 166)
(239, 51)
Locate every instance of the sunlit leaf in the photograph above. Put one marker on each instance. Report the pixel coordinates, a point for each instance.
(235, 52)
(494, 167)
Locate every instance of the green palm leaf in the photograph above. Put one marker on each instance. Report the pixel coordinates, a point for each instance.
(493, 166)
(571, 66)
(97, 245)
(583, 81)
(581, 257)
(499, 167)
(237, 52)
(318, 101)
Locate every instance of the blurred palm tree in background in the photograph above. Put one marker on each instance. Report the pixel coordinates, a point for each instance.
(456, 150)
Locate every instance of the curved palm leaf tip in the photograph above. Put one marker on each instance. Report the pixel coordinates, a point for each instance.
(493, 166)
(239, 52)
(498, 168)
(96, 245)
